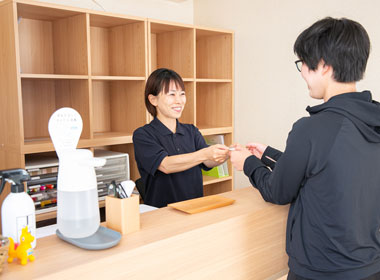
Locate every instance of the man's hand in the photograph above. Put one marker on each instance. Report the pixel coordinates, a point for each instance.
(238, 156)
(256, 149)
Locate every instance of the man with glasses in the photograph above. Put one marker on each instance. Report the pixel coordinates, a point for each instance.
(329, 171)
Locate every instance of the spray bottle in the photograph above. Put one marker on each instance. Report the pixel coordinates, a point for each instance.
(18, 208)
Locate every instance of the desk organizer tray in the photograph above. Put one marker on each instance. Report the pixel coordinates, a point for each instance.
(201, 204)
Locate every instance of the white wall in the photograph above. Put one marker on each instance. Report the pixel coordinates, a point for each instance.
(270, 94)
(169, 10)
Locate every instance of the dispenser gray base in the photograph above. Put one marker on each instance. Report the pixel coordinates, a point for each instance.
(103, 238)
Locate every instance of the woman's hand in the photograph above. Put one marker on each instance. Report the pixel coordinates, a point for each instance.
(217, 153)
(256, 149)
(211, 156)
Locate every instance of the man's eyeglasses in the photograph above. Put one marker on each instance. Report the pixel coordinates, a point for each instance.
(298, 64)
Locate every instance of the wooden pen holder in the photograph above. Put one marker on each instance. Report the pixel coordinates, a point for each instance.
(123, 215)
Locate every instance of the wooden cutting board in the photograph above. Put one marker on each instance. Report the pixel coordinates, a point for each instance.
(201, 204)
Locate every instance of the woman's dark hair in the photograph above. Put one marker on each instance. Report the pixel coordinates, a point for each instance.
(160, 80)
(341, 43)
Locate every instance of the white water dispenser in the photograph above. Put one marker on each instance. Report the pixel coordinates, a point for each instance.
(77, 197)
(78, 216)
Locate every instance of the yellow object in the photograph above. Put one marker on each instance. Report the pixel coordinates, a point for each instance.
(23, 251)
(123, 215)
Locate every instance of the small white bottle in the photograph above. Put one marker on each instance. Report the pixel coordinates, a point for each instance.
(18, 209)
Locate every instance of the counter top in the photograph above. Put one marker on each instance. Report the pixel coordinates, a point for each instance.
(245, 240)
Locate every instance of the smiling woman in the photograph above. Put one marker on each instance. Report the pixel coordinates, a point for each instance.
(165, 96)
(169, 154)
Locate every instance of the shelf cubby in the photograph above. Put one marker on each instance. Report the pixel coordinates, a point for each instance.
(52, 41)
(188, 112)
(213, 185)
(214, 105)
(209, 180)
(118, 107)
(117, 46)
(42, 97)
(214, 52)
(228, 140)
(215, 130)
(172, 46)
(216, 186)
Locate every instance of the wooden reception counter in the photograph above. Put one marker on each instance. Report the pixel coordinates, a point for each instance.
(245, 240)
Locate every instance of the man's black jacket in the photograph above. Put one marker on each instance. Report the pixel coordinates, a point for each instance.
(330, 173)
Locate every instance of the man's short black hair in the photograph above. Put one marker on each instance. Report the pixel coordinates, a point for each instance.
(341, 43)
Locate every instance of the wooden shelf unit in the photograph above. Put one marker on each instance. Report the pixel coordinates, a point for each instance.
(97, 63)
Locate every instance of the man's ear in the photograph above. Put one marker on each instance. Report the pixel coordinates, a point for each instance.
(326, 69)
(152, 99)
